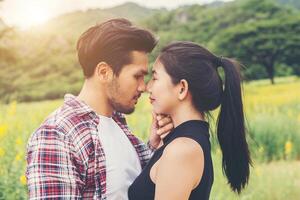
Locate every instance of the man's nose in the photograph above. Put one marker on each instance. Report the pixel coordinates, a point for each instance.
(142, 86)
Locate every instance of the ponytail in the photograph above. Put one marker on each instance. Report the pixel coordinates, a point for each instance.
(188, 60)
(231, 128)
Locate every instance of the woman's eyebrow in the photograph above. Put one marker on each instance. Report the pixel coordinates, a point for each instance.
(154, 72)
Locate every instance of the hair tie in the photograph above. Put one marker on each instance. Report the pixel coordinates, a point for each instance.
(219, 61)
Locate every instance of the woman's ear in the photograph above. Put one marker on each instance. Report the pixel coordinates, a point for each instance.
(183, 89)
(103, 71)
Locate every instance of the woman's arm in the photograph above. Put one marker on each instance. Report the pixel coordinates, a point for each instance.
(179, 170)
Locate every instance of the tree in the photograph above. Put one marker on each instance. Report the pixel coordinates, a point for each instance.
(292, 3)
(265, 42)
(6, 54)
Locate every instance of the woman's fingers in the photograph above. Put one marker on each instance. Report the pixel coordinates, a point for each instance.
(165, 129)
(164, 135)
(154, 115)
(163, 120)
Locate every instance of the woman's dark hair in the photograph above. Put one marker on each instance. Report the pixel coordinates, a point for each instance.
(112, 42)
(198, 66)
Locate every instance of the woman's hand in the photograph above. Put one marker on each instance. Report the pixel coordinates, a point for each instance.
(160, 128)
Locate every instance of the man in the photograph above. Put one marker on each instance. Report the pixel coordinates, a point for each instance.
(85, 149)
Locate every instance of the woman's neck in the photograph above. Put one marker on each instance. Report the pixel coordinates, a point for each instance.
(186, 113)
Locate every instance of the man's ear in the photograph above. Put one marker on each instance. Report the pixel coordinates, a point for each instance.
(183, 88)
(104, 72)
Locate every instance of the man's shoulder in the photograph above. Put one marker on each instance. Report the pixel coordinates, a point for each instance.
(64, 122)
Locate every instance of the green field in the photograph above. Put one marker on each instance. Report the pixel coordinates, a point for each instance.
(273, 118)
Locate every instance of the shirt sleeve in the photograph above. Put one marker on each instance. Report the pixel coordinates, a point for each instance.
(150, 147)
(51, 171)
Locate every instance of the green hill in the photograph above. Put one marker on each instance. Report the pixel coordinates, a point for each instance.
(41, 63)
(73, 24)
(45, 64)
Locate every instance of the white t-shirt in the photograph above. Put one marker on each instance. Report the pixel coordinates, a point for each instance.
(122, 162)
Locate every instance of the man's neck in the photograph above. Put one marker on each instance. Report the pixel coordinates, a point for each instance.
(96, 99)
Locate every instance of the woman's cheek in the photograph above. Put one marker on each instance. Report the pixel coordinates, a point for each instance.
(160, 104)
(158, 109)
(158, 93)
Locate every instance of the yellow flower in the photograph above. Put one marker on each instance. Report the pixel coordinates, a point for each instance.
(23, 179)
(3, 130)
(18, 157)
(12, 108)
(290, 113)
(258, 171)
(2, 152)
(19, 141)
(288, 147)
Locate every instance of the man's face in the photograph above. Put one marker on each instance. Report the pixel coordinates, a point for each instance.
(125, 89)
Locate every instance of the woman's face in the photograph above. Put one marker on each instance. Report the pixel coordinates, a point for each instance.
(162, 91)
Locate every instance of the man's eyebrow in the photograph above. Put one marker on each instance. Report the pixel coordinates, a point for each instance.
(145, 72)
(142, 72)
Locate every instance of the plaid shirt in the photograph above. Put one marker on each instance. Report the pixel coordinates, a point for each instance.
(65, 159)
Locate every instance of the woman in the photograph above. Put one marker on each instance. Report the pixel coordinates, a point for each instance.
(186, 85)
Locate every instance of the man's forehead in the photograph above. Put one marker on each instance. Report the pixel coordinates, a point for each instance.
(140, 69)
(138, 57)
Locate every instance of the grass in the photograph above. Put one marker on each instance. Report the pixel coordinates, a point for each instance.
(273, 115)
(268, 181)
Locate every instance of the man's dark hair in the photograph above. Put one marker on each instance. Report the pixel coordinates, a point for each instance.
(112, 42)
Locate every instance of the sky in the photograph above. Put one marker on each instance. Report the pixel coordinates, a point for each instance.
(26, 13)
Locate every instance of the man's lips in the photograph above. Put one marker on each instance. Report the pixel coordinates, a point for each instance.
(137, 97)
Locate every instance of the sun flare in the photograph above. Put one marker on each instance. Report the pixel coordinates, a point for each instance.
(32, 15)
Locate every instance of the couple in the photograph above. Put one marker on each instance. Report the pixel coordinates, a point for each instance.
(85, 150)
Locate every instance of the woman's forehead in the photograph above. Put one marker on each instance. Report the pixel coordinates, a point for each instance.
(158, 66)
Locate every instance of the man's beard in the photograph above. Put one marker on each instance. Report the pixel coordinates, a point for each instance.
(119, 107)
(114, 88)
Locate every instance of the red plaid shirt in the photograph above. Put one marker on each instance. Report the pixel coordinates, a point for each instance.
(65, 158)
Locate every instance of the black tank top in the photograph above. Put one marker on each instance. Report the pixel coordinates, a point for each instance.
(144, 189)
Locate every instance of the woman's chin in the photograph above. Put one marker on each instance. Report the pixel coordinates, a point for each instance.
(158, 110)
